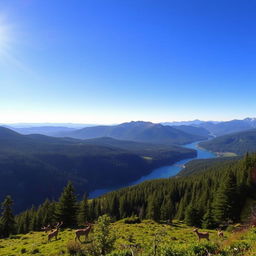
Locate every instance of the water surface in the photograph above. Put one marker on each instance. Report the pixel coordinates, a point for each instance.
(164, 171)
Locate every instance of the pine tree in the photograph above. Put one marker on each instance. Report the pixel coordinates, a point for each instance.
(67, 206)
(7, 218)
(83, 211)
(153, 209)
(166, 210)
(208, 219)
(103, 239)
(92, 214)
(123, 207)
(114, 207)
(193, 217)
(225, 205)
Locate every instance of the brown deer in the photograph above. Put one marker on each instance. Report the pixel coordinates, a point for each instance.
(220, 233)
(83, 232)
(200, 235)
(55, 232)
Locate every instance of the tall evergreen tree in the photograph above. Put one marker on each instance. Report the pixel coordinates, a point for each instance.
(83, 211)
(167, 210)
(208, 219)
(7, 218)
(193, 217)
(225, 205)
(67, 206)
(153, 209)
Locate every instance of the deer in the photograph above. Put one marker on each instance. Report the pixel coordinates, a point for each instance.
(54, 232)
(220, 233)
(200, 235)
(83, 232)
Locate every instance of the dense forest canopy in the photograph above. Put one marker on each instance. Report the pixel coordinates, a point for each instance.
(209, 198)
(238, 143)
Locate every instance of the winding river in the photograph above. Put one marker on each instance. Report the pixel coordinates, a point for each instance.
(164, 171)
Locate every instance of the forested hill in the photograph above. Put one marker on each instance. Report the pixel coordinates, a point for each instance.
(34, 167)
(200, 165)
(219, 195)
(239, 143)
(139, 131)
(209, 198)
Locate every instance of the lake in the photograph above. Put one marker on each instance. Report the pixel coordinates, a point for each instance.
(164, 171)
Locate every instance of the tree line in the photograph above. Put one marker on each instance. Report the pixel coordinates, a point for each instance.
(207, 199)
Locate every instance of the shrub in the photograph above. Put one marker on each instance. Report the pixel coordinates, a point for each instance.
(74, 248)
(120, 253)
(103, 239)
(132, 220)
(23, 250)
(204, 249)
(35, 251)
(168, 251)
(15, 237)
(239, 247)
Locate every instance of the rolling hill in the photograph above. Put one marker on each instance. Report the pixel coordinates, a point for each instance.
(239, 143)
(138, 131)
(34, 167)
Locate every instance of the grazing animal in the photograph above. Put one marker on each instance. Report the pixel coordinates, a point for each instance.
(55, 232)
(83, 232)
(220, 233)
(200, 235)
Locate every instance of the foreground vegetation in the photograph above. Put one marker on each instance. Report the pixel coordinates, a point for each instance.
(147, 238)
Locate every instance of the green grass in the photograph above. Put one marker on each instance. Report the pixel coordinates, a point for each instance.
(140, 237)
(226, 154)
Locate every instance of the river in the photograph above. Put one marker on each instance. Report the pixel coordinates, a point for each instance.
(164, 171)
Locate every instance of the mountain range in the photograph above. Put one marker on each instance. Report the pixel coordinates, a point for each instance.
(141, 132)
(132, 130)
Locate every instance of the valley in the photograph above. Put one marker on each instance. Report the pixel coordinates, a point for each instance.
(164, 171)
(40, 165)
(153, 184)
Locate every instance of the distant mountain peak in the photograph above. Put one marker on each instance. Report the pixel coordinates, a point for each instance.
(250, 119)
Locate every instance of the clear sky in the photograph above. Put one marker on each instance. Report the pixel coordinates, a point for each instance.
(109, 61)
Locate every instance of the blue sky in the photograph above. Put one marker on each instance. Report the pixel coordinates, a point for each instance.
(109, 61)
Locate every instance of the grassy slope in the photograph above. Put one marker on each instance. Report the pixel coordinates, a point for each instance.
(178, 236)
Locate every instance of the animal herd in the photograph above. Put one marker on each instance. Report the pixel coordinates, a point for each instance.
(88, 227)
(54, 230)
(205, 235)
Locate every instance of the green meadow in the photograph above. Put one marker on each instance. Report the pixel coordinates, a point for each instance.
(146, 239)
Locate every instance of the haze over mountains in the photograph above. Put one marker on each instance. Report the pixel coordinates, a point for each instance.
(218, 128)
(140, 131)
(124, 130)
